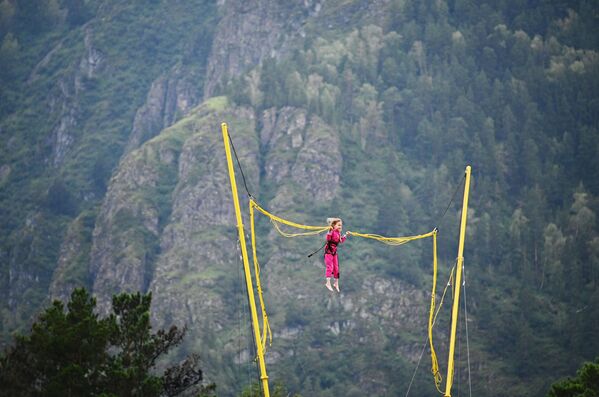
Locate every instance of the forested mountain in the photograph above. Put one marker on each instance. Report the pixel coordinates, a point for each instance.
(113, 177)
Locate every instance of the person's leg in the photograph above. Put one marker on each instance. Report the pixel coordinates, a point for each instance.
(336, 272)
(328, 261)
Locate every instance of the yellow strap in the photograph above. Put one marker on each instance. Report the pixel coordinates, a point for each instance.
(391, 240)
(265, 325)
(285, 234)
(314, 230)
(449, 282)
(433, 319)
(431, 316)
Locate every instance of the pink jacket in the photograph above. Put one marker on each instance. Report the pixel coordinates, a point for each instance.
(333, 239)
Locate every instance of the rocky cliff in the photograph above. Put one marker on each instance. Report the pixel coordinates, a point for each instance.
(113, 177)
(165, 222)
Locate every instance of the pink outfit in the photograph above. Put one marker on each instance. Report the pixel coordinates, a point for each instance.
(330, 253)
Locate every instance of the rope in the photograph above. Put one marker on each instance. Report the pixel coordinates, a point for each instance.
(433, 324)
(392, 240)
(266, 331)
(311, 230)
(417, 365)
(439, 219)
(467, 341)
(433, 318)
(314, 229)
(313, 253)
(239, 165)
(449, 282)
(251, 348)
(434, 362)
(239, 315)
(290, 235)
(458, 368)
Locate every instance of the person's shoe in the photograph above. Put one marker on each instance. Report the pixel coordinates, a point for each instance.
(337, 287)
(329, 287)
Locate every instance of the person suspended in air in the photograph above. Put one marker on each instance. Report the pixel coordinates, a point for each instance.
(331, 260)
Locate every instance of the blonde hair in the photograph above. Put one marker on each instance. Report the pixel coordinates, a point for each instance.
(333, 221)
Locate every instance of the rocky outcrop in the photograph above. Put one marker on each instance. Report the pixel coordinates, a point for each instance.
(125, 239)
(249, 32)
(64, 99)
(72, 267)
(126, 230)
(62, 136)
(25, 275)
(159, 226)
(303, 156)
(198, 247)
(170, 97)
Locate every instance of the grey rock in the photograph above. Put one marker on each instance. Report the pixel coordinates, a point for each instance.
(248, 33)
(170, 97)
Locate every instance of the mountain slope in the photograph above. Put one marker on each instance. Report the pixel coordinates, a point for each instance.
(113, 177)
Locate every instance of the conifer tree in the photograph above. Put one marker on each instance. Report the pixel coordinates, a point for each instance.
(77, 353)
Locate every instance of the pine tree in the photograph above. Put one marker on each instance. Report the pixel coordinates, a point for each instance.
(586, 383)
(76, 353)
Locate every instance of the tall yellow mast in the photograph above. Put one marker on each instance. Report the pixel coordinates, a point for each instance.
(246, 265)
(458, 286)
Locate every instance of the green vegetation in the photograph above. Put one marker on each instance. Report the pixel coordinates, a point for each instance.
(75, 352)
(416, 89)
(586, 383)
(511, 90)
(47, 80)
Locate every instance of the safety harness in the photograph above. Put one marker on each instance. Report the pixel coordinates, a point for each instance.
(331, 246)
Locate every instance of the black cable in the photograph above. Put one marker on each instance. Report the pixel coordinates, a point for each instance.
(253, 349)
(240, 169)
(309, 256)
(439, 219)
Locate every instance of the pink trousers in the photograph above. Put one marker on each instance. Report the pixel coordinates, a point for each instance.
(332, 264)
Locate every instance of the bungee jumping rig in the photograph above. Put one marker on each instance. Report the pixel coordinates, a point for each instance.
(264, 334)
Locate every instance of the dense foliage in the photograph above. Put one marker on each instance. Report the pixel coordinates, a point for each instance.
(510, 87)
(59, 93)
(77, 353)
(585, 383)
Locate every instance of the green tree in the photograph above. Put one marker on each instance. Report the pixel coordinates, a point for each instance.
(9, 52)
(37, 16)
(59, 200)
(7, 12)
(77, 353)
(585, 384)
(77, 12)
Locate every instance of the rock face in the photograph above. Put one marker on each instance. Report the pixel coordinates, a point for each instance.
(249, 32)
(198, 247)
(302, 152)
(166, 224)
(170, 97)
(43, 236)
(73, 257)
(64, 99)
(127, 226)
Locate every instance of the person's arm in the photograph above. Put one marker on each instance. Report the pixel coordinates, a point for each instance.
(342, 238)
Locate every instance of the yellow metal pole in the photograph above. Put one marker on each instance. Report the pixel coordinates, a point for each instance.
(246, 264)
(458, 286)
